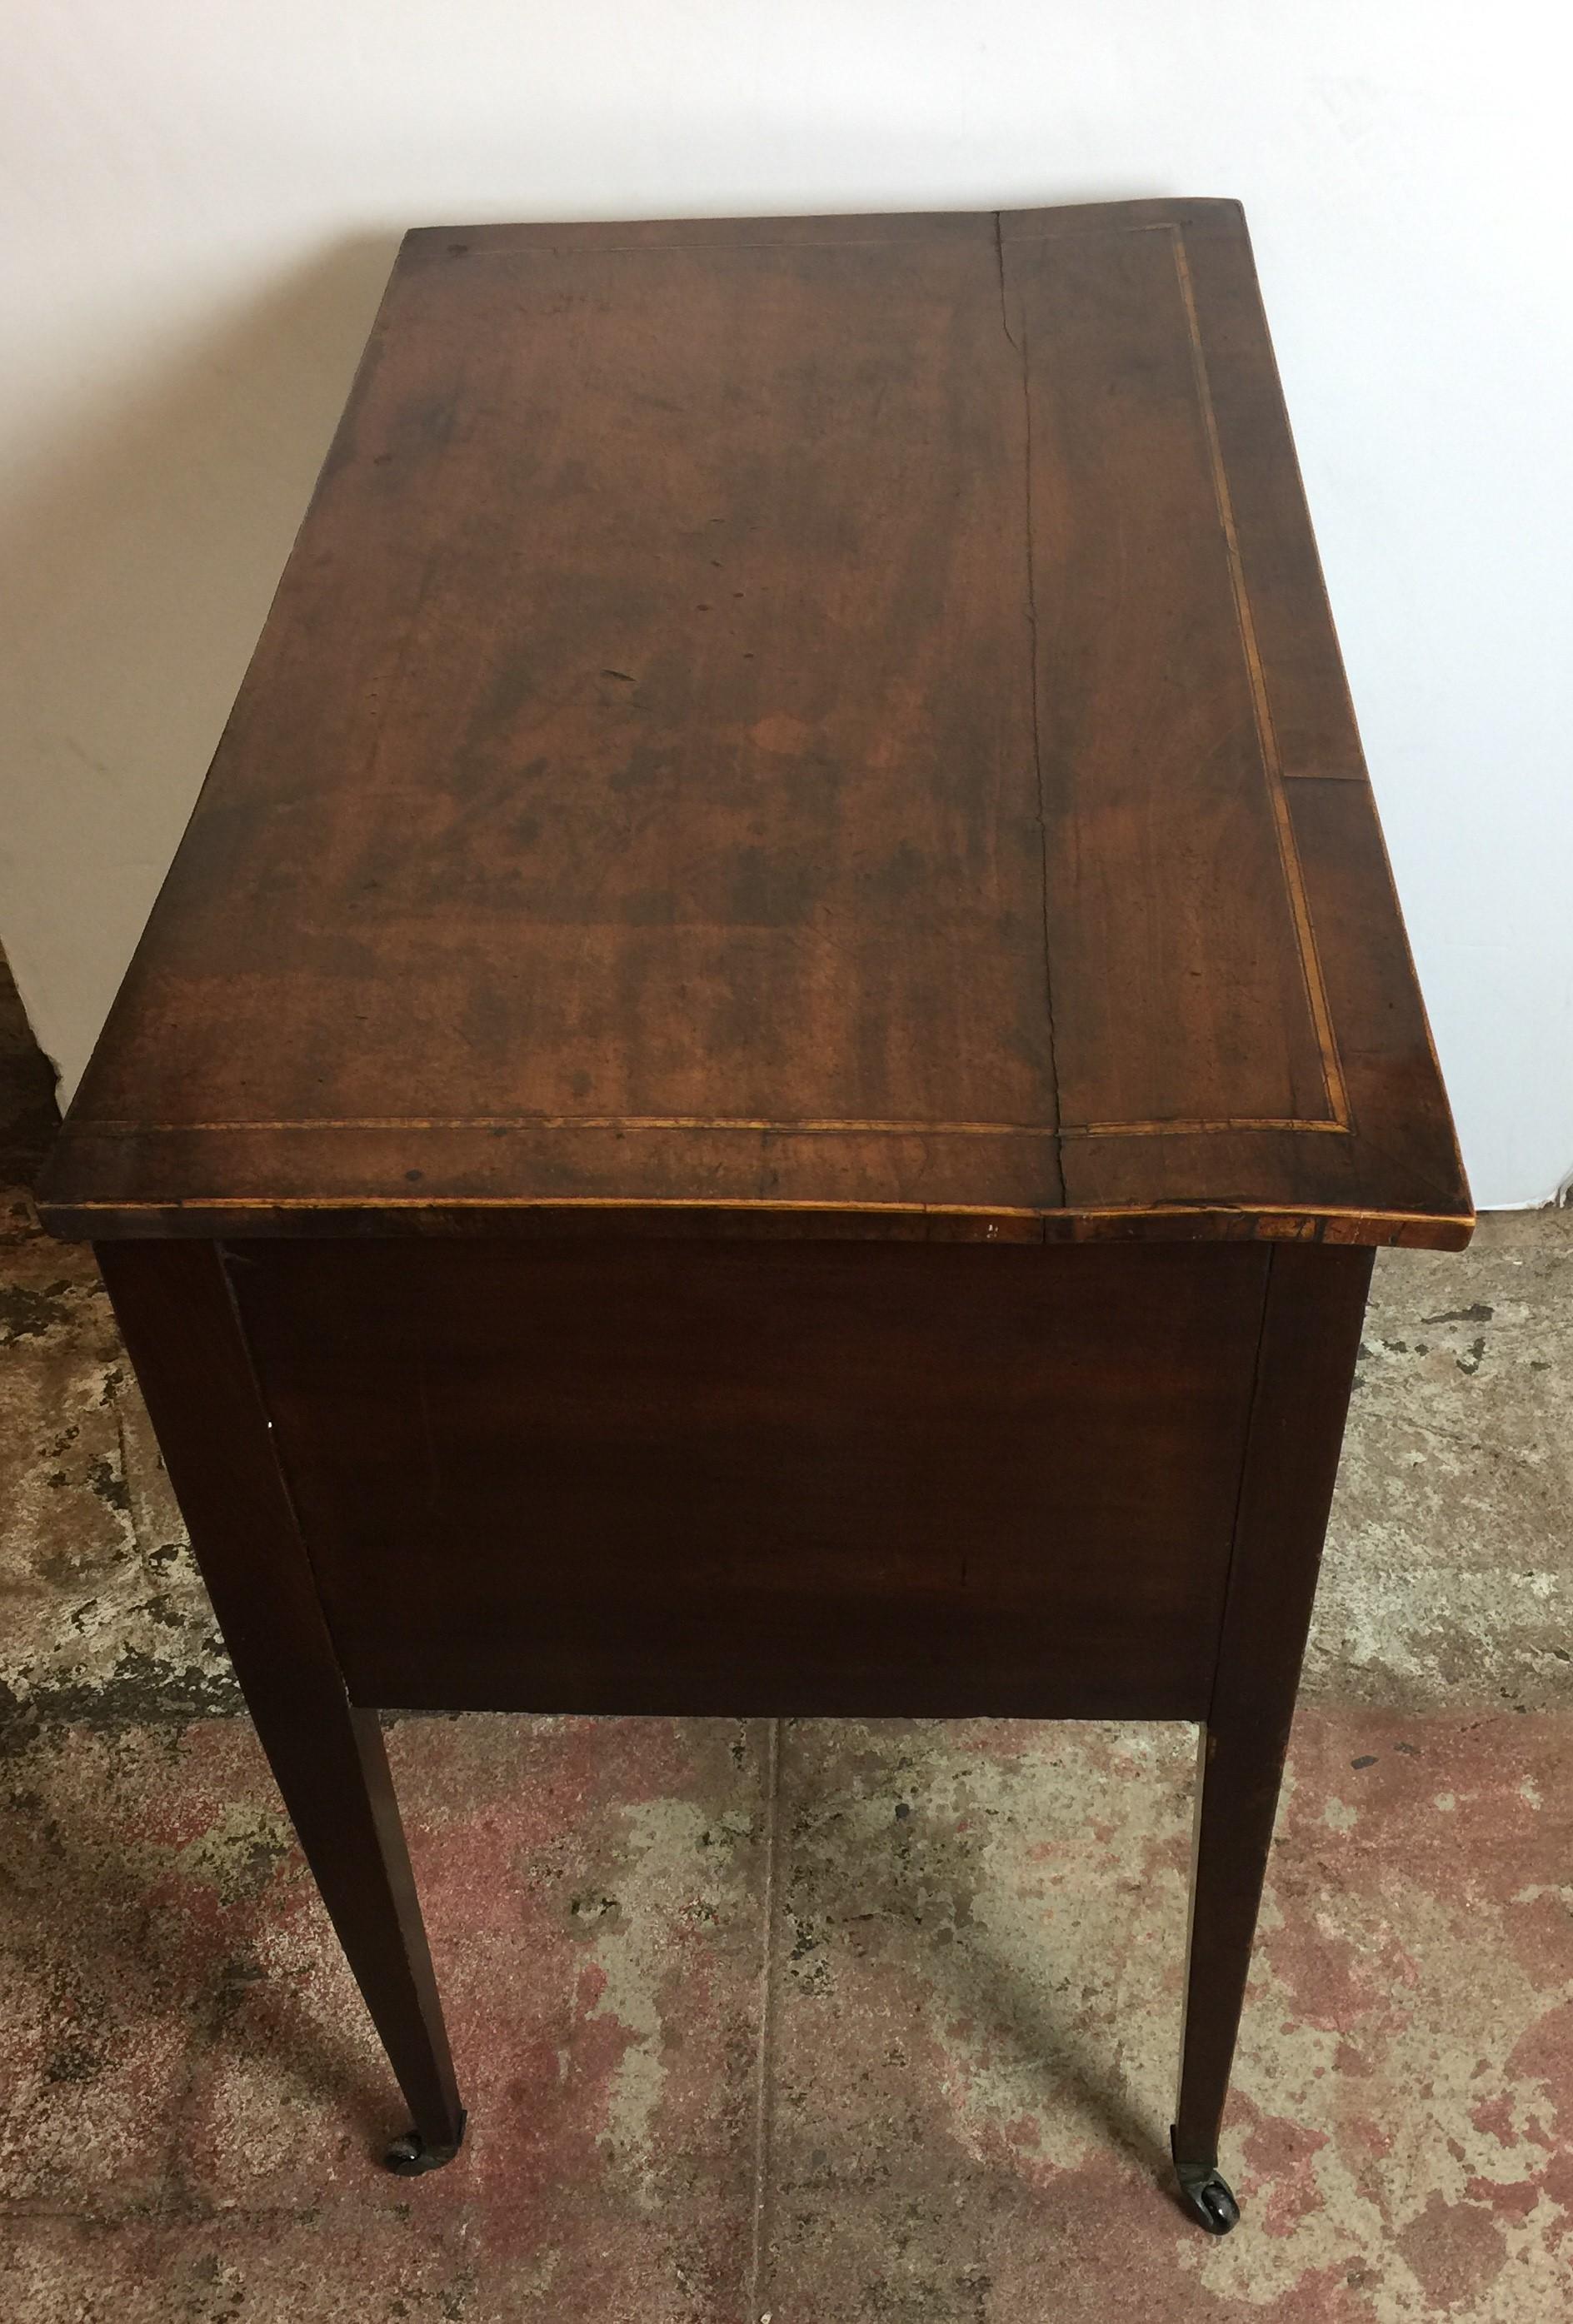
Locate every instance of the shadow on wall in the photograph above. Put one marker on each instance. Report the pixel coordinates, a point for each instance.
(29, 1116)
(138, 561)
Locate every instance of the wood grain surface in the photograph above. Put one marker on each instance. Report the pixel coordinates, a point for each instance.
(778, 727)
(623, 1476)
(176, 1308)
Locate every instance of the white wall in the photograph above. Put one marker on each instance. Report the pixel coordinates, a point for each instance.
(200, 203)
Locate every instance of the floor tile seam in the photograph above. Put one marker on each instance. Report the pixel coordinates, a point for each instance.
(764, 2047)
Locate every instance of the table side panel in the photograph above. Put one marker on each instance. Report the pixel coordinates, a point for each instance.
(766, 1478)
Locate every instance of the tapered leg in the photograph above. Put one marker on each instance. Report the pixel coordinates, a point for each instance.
(1310, 1336)
(173, 1303)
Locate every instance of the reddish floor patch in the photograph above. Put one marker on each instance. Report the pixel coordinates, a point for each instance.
(967, 2030)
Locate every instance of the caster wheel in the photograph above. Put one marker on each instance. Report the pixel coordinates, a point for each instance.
(1208, 2196)
(409, 2156)
(1209, 2201)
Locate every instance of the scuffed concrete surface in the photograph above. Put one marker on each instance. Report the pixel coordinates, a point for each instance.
(193, 2098)
(1449, 1572)
(104, 1616)
(980, 1976)
(829, 2023)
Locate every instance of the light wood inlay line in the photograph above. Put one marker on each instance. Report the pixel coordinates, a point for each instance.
(706, 250)
(1202, 1129)
(1266, 736)
(637, 1122)
(203, 1205)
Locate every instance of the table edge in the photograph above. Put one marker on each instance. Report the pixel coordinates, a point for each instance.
(241, 1218)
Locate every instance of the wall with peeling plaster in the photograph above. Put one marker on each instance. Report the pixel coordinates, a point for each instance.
(202, 203)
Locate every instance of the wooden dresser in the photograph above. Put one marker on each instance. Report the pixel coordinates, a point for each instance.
(768, 1073)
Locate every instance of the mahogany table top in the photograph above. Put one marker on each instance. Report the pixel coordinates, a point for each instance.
(821, 726)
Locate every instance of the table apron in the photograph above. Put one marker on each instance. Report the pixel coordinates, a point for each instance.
(745, 1478)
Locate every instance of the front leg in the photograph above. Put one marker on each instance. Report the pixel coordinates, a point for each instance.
(173, 1304)
(1310, 1336)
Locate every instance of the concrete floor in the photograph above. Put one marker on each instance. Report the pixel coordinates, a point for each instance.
(827, 2024)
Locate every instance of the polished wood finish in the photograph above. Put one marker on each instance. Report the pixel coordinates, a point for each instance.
(764, 1478)
(766, 1077)
(818, 725)
(1310, 1335)
(174, 1307)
